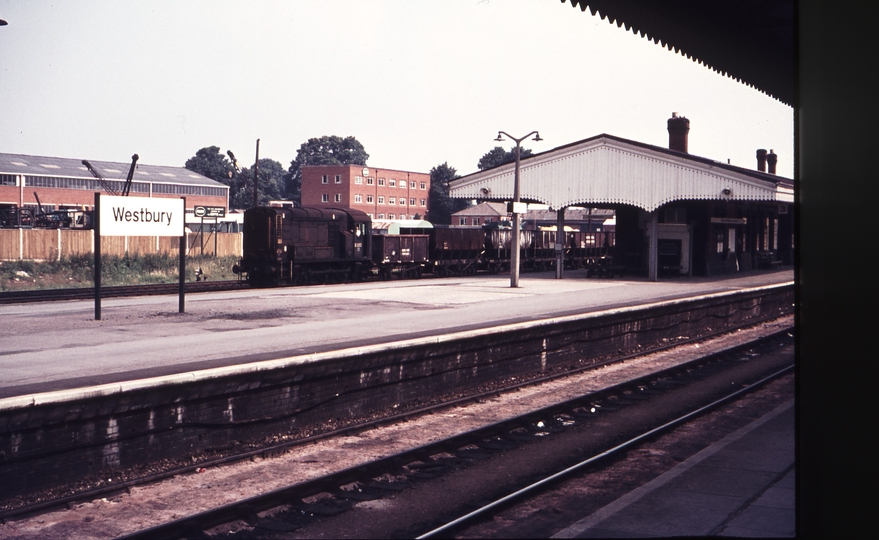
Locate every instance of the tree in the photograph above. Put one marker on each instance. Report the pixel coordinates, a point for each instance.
(326, 150)
(441, 205)
(271, 184)
(498, 156)
(211, 163)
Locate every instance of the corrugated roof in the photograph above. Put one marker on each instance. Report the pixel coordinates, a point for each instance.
(750, 40)
(483, 209)
(73, 168)
(606, 169)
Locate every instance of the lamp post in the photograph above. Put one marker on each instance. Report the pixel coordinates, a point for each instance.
(514, 255)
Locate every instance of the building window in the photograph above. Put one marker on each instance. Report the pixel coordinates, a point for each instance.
(462, 221)
(423, 202)
(423, 185)
(675, 215)
(381, 181)
(403, 184)
(369, 198)
(381, 199)
(488, 220)
(324, 197)
(338, 178)
(358, 179)
(476, 221)
(392, 216)
(412, 185)
(358, 198)
(370, 215)
(323, 179)
(402, 201)
(411, 202)
(338, 197)
(370, 180)
(381, 216)
(392, 200)
(392, 183)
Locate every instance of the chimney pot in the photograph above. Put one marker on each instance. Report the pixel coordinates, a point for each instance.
(772, 160)
(678, 128)
(761, 160)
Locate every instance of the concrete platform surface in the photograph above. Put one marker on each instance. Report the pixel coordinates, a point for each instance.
(58, 345)
(740, 486)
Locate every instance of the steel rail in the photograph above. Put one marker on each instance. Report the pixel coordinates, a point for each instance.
(220, 515)
(46, 295)
(536, 486)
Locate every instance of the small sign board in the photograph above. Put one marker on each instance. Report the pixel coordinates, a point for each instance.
(141, 216)
(730, 221)
(517, 207)
(210, 211)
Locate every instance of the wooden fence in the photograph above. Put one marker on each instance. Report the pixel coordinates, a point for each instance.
(54, 244)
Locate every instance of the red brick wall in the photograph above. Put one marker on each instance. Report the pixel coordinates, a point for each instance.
(70, 197)
(313, 188)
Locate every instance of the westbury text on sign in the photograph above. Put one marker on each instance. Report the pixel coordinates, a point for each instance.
(141, 216)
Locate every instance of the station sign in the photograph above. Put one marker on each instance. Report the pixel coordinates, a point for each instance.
(210, 211)
(141, 216)
(730, 221)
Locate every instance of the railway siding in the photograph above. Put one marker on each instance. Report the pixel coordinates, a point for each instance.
(56, 438)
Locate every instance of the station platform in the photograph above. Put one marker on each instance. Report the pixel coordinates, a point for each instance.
(59, 346)
(740, 486)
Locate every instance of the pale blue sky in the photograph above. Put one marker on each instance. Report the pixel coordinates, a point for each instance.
(418, 83)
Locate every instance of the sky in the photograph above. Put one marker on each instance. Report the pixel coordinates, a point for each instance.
(417, 83)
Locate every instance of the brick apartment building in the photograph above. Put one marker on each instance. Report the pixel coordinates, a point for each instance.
(382, 193)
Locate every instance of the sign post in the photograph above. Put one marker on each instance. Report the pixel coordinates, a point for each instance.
(97, 278)
(138, 216)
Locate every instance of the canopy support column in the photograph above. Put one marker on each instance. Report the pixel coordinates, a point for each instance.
(560, 244)
(653, 251)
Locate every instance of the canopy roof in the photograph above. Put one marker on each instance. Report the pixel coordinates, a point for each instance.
(750, 40)
(609, 170)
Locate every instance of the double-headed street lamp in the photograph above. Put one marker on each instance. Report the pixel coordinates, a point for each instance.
(516, 208)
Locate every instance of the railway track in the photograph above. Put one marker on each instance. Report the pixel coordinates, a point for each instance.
(85, 293)
(299, 506)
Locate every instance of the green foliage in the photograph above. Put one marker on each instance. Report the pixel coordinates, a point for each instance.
(78, 271)
(211, 163)
(498, 156)
(326, 150)
(271, 184)
(441, 205)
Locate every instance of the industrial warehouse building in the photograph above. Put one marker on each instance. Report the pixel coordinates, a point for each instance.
(53, 183)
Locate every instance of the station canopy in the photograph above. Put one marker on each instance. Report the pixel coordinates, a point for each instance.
(751, 41)
(607, 170)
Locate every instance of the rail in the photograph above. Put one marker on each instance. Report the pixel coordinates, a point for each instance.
(83, 293)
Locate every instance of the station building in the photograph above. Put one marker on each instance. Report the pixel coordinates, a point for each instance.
(28, 182)
(383, 194)
(676, 213)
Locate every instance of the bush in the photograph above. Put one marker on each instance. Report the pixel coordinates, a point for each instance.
(78, 271)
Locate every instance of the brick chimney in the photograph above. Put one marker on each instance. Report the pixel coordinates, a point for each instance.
(678, 128)
(771, 159)
(761, 160)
